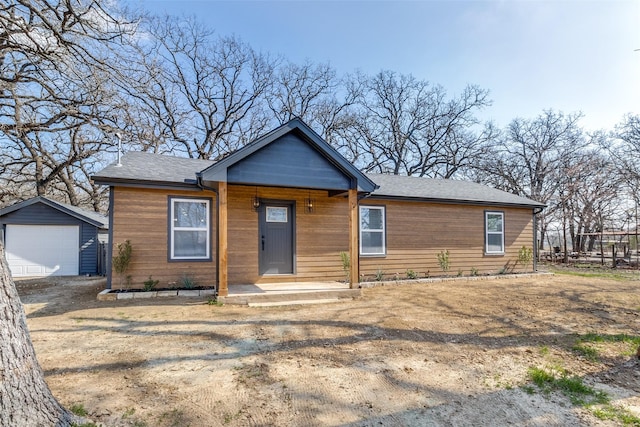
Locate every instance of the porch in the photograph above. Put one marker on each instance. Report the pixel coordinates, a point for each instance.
(273, 294)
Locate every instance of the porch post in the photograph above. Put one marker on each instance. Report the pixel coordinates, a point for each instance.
(223, 285)
(354, 248)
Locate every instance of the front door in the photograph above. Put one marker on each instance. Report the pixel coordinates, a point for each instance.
(276, 237)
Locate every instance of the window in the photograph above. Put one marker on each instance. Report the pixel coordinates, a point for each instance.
(372, 234)
(190, 229)
(494, 232)
(276, 214)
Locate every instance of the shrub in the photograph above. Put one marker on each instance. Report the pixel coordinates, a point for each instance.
(443, 260)
(346, 264)
(187, 281)
(122, 260)
(149, 284)
(525, 255)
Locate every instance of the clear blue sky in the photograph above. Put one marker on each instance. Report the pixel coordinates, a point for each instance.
(531, 55)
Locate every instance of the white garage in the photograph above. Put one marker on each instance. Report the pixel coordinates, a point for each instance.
(37, 250)
(44, 237)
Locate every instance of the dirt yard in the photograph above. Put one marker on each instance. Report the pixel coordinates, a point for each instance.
(437, 354)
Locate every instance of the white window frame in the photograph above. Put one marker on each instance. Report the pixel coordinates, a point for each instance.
(206, 228)
(383, 231)
(493, 233)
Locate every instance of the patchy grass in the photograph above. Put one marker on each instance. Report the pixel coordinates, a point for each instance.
(611, 412)
(79, 410)
(557, 379)
(544, 350)
(595, 274)
(593, 337)
(596, 271)
(174, 418)
(587, 344)
(587, 352)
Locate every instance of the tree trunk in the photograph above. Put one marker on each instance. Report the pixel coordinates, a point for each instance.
(25, 398)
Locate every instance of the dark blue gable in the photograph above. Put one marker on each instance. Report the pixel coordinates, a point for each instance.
(289, 161)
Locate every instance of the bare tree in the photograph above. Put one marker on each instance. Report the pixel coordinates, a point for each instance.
(528, 159)
(408, 126)
(629, 132)
(198, 94)
(47, 81)
(54, 94)
(314, 93)
(624, 149)
(589, 194)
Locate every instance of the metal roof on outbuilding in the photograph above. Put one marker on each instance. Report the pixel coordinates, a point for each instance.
(94, 218)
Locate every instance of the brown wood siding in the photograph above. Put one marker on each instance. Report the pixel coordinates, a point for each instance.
(416, 232)
(140, 216)
(320, 235)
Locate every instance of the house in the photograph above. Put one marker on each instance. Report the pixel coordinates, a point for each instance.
(44, 237)
(283, 209)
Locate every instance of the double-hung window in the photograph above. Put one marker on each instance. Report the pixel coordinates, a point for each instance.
(190, 229)
(372, 230)
(494, 232)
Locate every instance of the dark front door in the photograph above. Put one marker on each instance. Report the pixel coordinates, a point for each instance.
(276, 238)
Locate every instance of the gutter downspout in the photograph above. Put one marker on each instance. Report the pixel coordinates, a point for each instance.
(109, 255)
(202, 186)
(536, 211)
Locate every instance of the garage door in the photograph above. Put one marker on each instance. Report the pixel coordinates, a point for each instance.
(42, 250)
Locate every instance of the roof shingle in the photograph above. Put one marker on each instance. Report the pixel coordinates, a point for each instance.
(410, 187)
(150, 168)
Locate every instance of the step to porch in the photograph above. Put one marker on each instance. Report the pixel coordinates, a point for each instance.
(296, 302)
(287, 294)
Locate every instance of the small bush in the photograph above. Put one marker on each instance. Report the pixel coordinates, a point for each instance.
(411, 274)
(150, 284)
(379, 275)
(474, 271)
(525, 255)
(122, 260)
(214, 301)
(188, 282)
(346, 264)
(443, 260)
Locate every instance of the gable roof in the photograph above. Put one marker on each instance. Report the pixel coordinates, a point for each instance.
(89, 217)
(157, 170)
(218, 171)
(444, 190)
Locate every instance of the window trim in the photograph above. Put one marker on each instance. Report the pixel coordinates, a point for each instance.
(383, 231)
(487, 233)
(171, 228)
